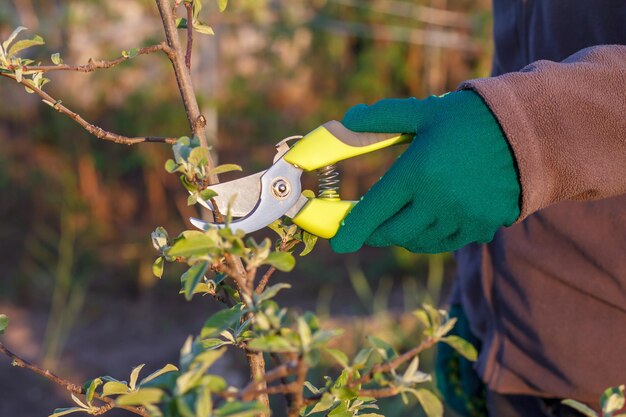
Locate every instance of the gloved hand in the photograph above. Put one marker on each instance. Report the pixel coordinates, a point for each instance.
(455, 184)
(457, 381)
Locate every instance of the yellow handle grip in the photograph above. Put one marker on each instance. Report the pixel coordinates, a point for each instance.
(323, 217)
(332, 142)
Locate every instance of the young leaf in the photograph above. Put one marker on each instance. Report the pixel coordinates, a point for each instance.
(324, 404)
(134, 375)
(430, 403)
(283, 261)
(462, 346)
(580, 407)
(65, 411)
(171, 166)
(271, 291)
(142, 397)
(194, 245)
(222, 4)
(12, 36)
(4, 323)
(167, 368)
(25, 43)
(272, 343)
(340, 357)
(612, 400)
(56, 58)
(192, 277)
(309, 241)
(221, 320)
(91, 389)
(114, 388)
(157, 267)
(202, 28)
(221, 169)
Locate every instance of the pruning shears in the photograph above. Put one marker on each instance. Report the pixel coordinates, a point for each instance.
(259, 199)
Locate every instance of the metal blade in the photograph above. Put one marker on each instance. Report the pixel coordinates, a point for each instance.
(246, 192)
(280, 191)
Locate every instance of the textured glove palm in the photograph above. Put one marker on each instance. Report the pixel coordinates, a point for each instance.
(455, 184)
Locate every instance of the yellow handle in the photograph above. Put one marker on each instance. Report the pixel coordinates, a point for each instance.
(332, 142)
(323, 217)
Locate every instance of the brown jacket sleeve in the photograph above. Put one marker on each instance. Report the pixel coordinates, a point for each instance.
(566, 124)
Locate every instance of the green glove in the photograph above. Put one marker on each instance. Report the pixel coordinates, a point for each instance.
(457, 381)
(455, 184)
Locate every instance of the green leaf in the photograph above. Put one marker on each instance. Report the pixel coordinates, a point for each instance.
(221, 320)
(222, 4)
(4, 323)
(132, 53)
(383, 347)
(171, 166)
(204, 402)
(271, 291)
(192, 199)
(612, 400)
(272, 343)
(192, 277)
(430, 403)
(323, 404)
(462, 346)
(221, 169)
(25, 43)
(134, 375)
(167, 368)
(114, 388)
(239, 409)
(340, 357)
(207, 194)
(202, 28)
(283, 261)
(56, 58)
(580, 407)
(194, 245)
(157, 267)
(91, 389)
(65, 411)
(309, 241)
(181, 23)
(340, 411)
(143, 397)
(12, 37)
(159, 238)
(198, 156)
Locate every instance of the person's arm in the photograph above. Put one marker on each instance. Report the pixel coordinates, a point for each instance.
(555, 131)
(566, 124)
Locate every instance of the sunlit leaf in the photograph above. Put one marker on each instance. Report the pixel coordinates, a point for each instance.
(202, 28)
(340, 357)
(25, 43)
(171, 166)
(141, 397)
(430, 402)
(272, 343)
(192, 277)
(309, 241)
(4, 323)
(167, 368)
(196, 244)
(222, 4)
(221, 169)
(283, 261)
(239, 409)
(91, 389)
(12, 37)
(221, 320)
(612, 400)
(56, 58)
(271, 291)
(65, 411)
(580, 407)
(323, 404)
(134, 375)
(462, 346)
(157, 267)
(114, 388)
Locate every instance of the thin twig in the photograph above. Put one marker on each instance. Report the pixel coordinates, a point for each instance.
(89, 127)
(298, 394)
(393, 364)
(265, 279)
(69, 386)
(189, 8)
(92, 64)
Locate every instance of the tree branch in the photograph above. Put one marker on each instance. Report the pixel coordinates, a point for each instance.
(92, 64)
(189, 8)
(91, 128)
(69, 386)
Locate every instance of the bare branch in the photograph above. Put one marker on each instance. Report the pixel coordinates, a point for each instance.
(264, 279)
(69, 386)
(91, 128)
(92, 64)
(189, 8)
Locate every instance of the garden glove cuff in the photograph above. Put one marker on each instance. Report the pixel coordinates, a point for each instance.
(455, 184)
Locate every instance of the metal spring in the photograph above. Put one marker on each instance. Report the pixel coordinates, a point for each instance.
(328, 180)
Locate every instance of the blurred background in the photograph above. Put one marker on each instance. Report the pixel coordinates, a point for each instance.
(76, 213)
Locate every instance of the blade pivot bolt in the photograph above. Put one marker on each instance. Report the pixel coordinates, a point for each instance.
(280, 188)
